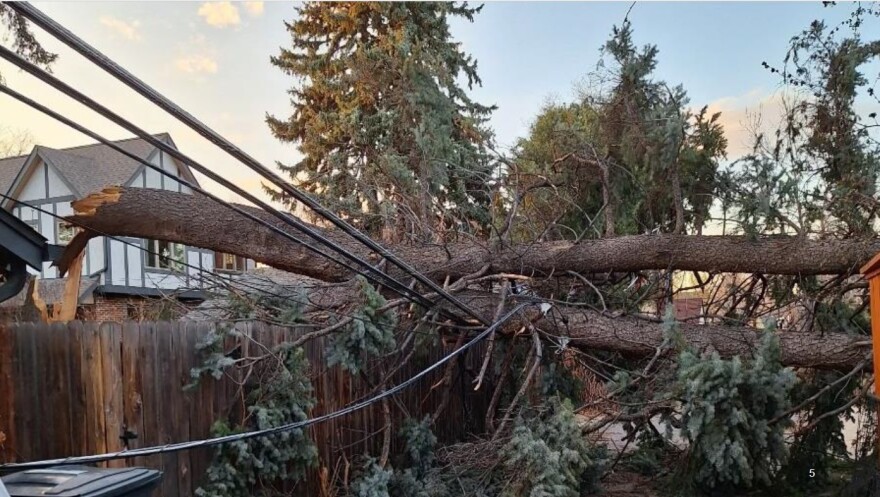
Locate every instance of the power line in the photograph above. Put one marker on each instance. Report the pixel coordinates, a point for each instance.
(176, 447)
(10, 56)
(79, 45)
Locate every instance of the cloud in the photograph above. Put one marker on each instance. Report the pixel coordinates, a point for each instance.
(255, 9)
(220, 14)
(196, 64)
(127, 30)
(744, 115)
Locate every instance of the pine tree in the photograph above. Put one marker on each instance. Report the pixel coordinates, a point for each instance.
(388, 135)
(625, 159)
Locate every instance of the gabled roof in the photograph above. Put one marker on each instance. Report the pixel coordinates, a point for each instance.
(9, 168)
(87, 168)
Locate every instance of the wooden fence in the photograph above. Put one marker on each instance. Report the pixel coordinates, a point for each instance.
(77, 388)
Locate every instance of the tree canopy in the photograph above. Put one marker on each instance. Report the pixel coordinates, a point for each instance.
(389, 136)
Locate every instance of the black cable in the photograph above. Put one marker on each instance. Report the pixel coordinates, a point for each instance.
(176, 447)
(79, 45)
(12, 57)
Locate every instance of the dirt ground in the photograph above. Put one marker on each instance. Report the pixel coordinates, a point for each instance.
(628, 484)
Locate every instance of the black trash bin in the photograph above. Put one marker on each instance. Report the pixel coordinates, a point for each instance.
(82, 481)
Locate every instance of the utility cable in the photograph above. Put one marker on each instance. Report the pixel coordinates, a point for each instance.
(177, 447)
(79, 45)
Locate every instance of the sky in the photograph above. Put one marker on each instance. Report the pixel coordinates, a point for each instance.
(212, 58)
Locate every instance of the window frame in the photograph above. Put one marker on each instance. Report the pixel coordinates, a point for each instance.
(239, 263)
(61, 224)
(155, 261)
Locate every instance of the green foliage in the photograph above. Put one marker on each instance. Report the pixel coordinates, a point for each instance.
(373, 482)
(389, 137)
(371, 333)
(819, 448)
(616, 158)
(649, 455)
(550, 457)
(547, 456)
(251, 467)
(558, 380)
(727, 411)
(215, 361)
(420, 444)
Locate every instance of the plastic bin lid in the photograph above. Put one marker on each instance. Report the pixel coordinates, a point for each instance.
(79, 481)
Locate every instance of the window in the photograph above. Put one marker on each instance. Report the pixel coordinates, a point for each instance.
(229, 262)
(165, 255)
(64, 232)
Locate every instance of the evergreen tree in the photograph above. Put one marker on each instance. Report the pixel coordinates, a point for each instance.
(24, 43)
(624, 160)
(388, 135)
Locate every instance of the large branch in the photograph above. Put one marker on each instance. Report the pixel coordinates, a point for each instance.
(198, 221)
(591, 330)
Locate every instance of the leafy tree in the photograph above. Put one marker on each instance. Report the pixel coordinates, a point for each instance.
(625, 160)
(389, 138)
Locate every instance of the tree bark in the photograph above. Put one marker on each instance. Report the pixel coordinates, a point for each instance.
(197, 221)
(633, 336)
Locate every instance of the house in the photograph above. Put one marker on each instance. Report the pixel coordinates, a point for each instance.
(118, 279)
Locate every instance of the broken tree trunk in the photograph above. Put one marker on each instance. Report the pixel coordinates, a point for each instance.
(197, 221)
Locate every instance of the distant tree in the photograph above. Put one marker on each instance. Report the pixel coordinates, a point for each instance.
(388, 135)
(14, 142)
(629, 157)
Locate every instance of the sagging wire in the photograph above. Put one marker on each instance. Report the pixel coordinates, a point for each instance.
(209, 442)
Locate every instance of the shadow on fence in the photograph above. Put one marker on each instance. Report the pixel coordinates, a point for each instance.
(79, 388)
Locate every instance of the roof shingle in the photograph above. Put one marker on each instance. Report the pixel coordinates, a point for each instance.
(87, 168)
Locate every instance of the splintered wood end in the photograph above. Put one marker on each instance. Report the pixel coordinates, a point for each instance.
(88, 205)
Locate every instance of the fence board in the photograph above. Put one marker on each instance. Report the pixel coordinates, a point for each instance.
(58, 382)
(76, 387)
(166, 382)
(7, 395)
(111, 365)
(23, 382)
(132, 400)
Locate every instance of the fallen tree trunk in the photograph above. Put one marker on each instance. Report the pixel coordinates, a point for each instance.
(198, 221)
(592, 330)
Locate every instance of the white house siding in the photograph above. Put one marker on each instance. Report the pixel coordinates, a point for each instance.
(35, 186)
(57, 186)
(165, 280)
(117, 274)
(117, 263)
(150, 178)
(95, 256)
(134, 266)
